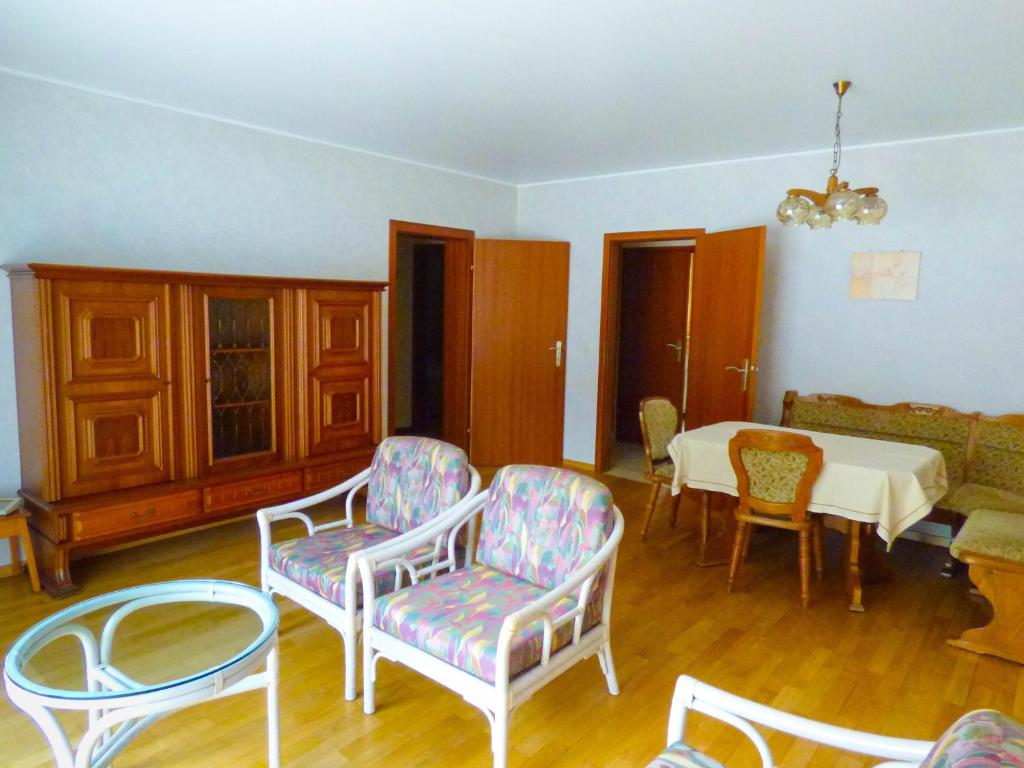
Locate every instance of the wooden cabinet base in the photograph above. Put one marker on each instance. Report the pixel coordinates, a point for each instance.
(62, 530)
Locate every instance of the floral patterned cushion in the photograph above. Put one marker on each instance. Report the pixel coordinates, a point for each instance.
(980, 739)
(999, 455)
(412, 480)
(540, 524)
(681, 756)
(774, 475)
(318, 562)
(457, 617)
(992, 533)
(947, 434)
(971, 496)
(660, 421)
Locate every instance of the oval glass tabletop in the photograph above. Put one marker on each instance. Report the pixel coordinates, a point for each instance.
(142, 640)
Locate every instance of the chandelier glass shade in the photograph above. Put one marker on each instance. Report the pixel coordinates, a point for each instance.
(819, 210)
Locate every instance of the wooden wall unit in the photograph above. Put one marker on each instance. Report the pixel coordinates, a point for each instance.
(150, 402)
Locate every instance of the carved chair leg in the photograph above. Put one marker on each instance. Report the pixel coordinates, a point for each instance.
(675, 508)
(805, 567)
(818, 531)
(652, 502)
(747, 531)
(737, 551)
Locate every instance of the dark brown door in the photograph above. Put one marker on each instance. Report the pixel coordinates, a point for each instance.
(458, 307)
(114, 385)
(520, 304)
(726, 307)
(241, 375)
(652, 331)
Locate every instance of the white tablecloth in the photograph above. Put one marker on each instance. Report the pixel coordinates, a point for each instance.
(892, 485)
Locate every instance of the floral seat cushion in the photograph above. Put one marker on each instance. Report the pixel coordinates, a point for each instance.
(457, 617)
(681, 756)
(980, 739)
(992, 533)
(971, 496)
(318, 562)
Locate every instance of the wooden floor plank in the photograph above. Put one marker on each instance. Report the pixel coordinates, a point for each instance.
(888, 669)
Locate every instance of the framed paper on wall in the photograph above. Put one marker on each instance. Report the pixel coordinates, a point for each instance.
(889, 276)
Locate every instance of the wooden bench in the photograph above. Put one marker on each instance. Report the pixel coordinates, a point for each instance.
(984, 454)
(992, 543)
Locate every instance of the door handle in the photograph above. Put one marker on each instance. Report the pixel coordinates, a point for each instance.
(557, 349)
(745, 370)
(678, 347)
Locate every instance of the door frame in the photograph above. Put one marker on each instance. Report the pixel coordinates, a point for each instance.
(608, 349)
(398, 227)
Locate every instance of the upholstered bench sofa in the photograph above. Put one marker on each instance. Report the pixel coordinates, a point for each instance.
(992, 543)
(984, 454)
(981, 739)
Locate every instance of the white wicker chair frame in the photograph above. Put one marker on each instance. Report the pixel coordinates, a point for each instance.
(496, 700)
(691, 694)
(346, 620)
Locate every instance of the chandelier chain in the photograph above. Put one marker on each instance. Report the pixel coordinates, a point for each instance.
(837, 148)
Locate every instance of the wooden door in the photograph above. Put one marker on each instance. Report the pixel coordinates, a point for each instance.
(241, 370)
(342, 329)
(114, 385)
(652, 331)
(520, 305)
(458, 307)
(726, 308)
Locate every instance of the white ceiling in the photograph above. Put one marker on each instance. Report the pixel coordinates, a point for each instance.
(534, 90)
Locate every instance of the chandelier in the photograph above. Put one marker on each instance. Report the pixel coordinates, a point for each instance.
(838, 202)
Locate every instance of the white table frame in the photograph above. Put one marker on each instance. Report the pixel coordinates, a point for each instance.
(118, 708)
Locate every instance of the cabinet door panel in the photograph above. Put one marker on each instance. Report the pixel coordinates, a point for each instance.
(114, 385)
(241, 363)
(340, 370)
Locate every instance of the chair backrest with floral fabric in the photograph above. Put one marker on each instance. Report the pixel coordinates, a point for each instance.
(540, 523)
(659, 422)
(775, 471)
(412, 480)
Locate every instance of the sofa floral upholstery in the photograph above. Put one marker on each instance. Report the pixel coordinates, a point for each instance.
(539, 524)
(681, 756)
(774, 475)
(997, 470)
(970, 497)
(457, 617)
(984, 738)
(992, 533)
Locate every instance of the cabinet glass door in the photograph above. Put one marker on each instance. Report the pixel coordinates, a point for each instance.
(241, 377)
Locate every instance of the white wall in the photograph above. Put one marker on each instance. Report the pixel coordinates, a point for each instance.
(88, 179)
(957, 200)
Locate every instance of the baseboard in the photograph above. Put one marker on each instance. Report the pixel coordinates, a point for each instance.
(8, 570)
(579, 466)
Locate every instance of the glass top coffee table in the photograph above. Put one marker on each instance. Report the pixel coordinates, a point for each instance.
(131, 657)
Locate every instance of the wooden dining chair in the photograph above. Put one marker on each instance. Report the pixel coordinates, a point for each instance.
(775, 472)
(659, 423)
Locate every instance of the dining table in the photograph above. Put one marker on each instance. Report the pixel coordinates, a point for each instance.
(877, 486)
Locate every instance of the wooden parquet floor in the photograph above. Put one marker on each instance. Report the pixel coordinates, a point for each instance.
(888, 670)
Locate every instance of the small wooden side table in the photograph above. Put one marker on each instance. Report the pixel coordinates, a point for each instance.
(14, 527)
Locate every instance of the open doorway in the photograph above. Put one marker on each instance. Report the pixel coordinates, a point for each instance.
(429, 314)
(653, 331)
(704, 319)
(419, 336)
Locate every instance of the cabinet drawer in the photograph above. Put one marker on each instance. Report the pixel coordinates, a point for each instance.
(326, 475)
(136, 515)
(252, 492)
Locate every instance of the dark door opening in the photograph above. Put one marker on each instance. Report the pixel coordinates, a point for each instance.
(419, 336)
